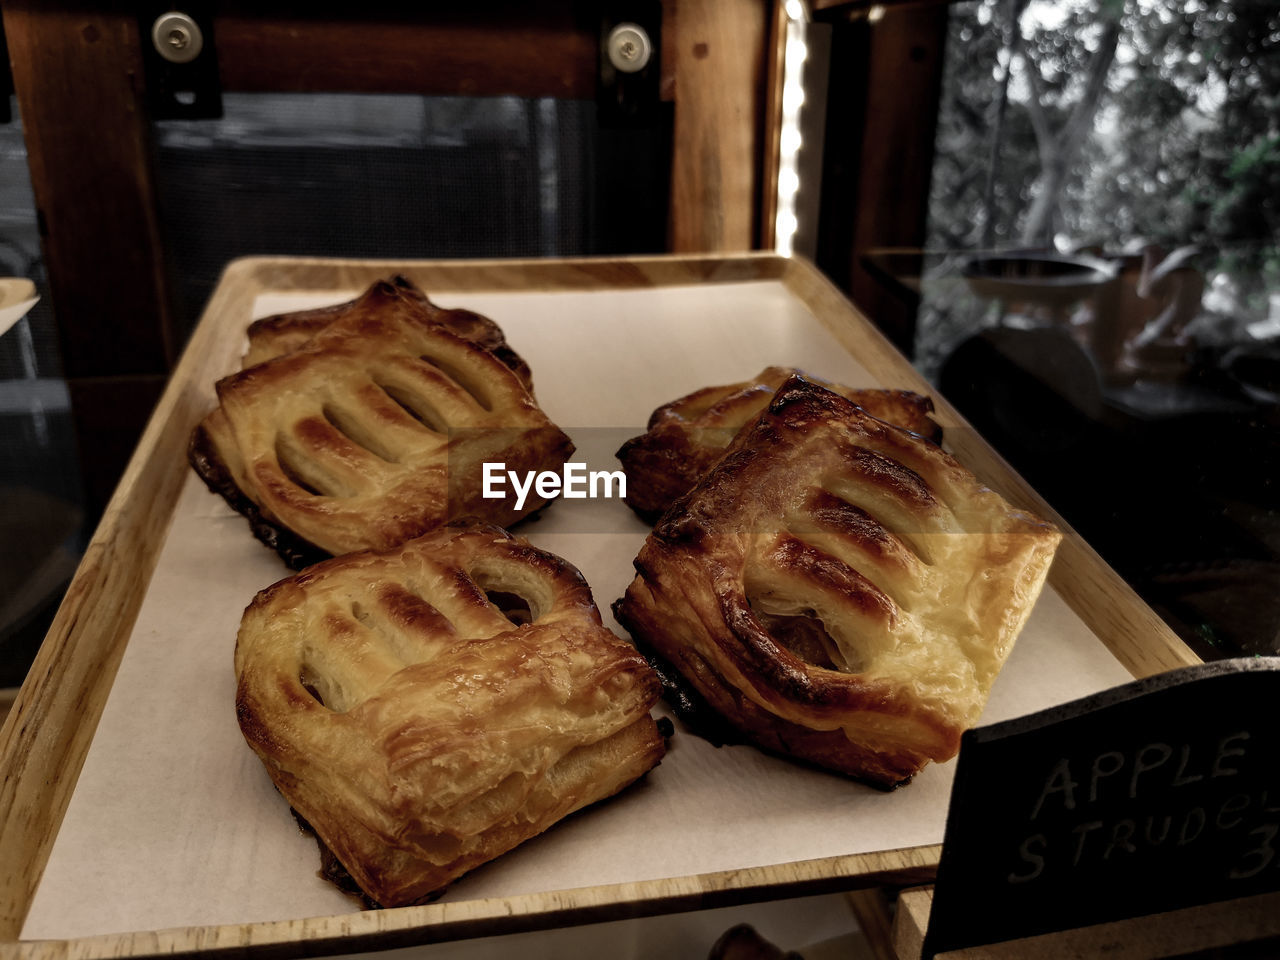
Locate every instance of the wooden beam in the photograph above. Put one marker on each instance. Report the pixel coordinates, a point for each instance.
(77, 73)
(719, 105)
(110, 413)
(881, 117)
(907, 48)
(484, 48)
(857, 8)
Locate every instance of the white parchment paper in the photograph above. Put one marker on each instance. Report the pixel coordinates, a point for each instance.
(175, 823)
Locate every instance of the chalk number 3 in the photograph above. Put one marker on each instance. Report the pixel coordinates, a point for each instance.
(1261, 855)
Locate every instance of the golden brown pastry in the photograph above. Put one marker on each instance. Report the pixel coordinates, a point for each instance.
(421, 731)
(372, 431)
(838, 589)
(687, 436)
(285, 332)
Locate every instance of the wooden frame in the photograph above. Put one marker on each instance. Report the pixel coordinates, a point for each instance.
(47, 735)
(717, 174)
(882, 108)
(78, 72)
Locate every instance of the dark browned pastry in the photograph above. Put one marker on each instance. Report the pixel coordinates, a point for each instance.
(419, 729)
(687, 436)
(372, 430)
(838, 589)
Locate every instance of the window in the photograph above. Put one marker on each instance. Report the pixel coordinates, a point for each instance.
(1102, 293)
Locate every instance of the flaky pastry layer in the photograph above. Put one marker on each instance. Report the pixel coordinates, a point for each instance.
(839, 589)
(376, 427)
(687, 436)
(416, 727)
(283, 333)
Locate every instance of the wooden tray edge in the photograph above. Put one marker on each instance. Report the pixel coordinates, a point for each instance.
(580, 273)
(44, 741)
(47, 735)
(438, 922)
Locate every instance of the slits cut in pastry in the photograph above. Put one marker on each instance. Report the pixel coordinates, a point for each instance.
(838, 589)
(429, 708)
(285, 332)
(374, 428)
(687, 436)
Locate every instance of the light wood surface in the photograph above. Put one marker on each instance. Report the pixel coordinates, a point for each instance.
(719, 96)
(408, 926)
(1176, 933)
(44, 740)
(47, 734)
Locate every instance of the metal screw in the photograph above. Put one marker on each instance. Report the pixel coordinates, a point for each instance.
(629, 48)
(177, 37)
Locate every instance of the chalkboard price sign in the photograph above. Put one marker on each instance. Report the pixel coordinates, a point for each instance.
(1160, 794)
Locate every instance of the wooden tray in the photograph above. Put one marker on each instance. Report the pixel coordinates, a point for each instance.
(47, 736)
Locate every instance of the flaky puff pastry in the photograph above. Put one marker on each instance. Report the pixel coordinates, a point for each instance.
(373, 430)
(687, 436)
(285, 332)
(839, 589)
(418, 729)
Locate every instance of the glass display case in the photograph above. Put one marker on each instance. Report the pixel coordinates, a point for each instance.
(1057, 220)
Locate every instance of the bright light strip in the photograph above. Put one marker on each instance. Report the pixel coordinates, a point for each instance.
(788, 182)
(796, 51)
(792, 100)
(789, 139)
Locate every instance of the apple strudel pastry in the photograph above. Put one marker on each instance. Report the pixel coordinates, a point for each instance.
(418, 728)
(838, 589)
(285, 332)
(374, 429)
(687, 436)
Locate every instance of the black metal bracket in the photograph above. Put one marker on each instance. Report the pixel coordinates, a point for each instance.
(630, 35)
(180, 61)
